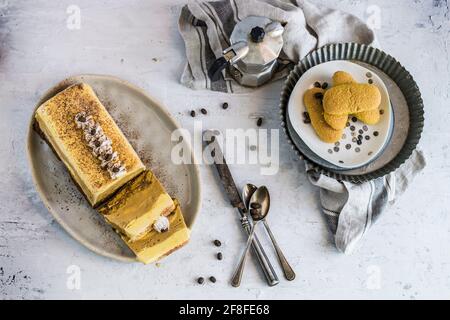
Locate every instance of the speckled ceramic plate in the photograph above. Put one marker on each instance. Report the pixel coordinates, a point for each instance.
(148, 126)
(406, 104)
(347, 153)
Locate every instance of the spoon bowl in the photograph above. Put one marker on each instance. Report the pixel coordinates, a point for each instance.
(259, 204)
(247, 192)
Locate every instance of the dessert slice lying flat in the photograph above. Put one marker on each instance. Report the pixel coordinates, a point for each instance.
(85, 137)
(137, 205)
(167, 235)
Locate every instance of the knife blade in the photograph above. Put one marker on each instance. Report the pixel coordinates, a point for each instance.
(236, 201)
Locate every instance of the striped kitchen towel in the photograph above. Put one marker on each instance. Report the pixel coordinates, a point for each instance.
(350, 209)
(206, 28)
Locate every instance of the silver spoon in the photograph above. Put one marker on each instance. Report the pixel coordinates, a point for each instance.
(289, 273)
(261, 200)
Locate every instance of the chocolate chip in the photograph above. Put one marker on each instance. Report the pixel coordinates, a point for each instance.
(217, 243)
(212, 279)
(219, 256)
(203, 110)
(324, 85)
(376, 133)
(318, 95)
(354, 119)
(200, 280)
(317, 84)
(225, 105)
(348, 146)
(259, 122)
(367, 137)
(192, 113)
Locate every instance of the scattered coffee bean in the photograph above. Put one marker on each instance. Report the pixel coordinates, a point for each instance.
(225, 105)
(217, 243)
(318, 95)
(365, 128)
(354, 140)
(317, 84)
(306, 118)
(213, 153)
(354, 119)
(360, 137)
(359, 142)
(192, 113)
(367, 137)
(357, 149)
(255, 205)
(219, 256)
(212, 279)
(330, 151)
(376, 133)
(348, 146)
(336, 149)
(370, 153)
(337, 144)
(369, 75)
(352, 128)
(370, 81)
(203, 110)
(324, 85)
(259, 122)
(361, 131)
(201, 280)
(381, 111)
(340, 161)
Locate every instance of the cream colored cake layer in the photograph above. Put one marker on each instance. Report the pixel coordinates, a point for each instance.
(56, 120)
(135, 207)
(154, 246)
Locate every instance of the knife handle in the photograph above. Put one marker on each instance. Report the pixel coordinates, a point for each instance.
(264, 262)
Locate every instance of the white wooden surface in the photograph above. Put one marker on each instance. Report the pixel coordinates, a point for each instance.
(405, 255)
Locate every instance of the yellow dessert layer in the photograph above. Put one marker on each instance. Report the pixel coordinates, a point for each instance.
(56, 120)
(136, 206)
(154, 246)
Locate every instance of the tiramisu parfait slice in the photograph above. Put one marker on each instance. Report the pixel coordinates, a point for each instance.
(85, 137)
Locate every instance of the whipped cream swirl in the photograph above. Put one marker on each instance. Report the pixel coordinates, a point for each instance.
(100, 145)
(162, 224)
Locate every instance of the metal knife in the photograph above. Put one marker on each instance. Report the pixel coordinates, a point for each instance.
(236, 201)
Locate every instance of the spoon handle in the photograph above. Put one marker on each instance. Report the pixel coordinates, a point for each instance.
(287, 269)
(237, 276)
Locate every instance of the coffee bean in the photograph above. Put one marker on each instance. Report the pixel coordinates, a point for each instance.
(357, 149)
(369, 75)
(340, 161)
(354, 140)
(212, 279)
(336, 149)
(365, 128)
(352, 128)
(201, 280)
(359, 142)
(370, 81)
(337, 144)
(367, 137)
(219, 256)
(306, 118)
(255, 205)
(217, 243)
(370, 153)
(192, 113)
(360, 137)
(376, 133)
(317, 84)
(348, 146)
(213, 153)
(259, 122)
(318, 95)
(203, 110)
(225, 105)
(324, 85)
(361, 131)
(330, 151)
(354, 119)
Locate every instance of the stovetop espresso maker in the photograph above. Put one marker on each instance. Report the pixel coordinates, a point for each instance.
(256, 43)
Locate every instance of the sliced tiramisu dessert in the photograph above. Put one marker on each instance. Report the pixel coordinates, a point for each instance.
(85, 137)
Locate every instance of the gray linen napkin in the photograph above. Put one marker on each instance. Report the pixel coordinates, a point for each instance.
(350, 209)
(207, 26)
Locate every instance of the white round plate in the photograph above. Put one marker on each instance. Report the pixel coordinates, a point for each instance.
(338, 155)
(148, 127)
